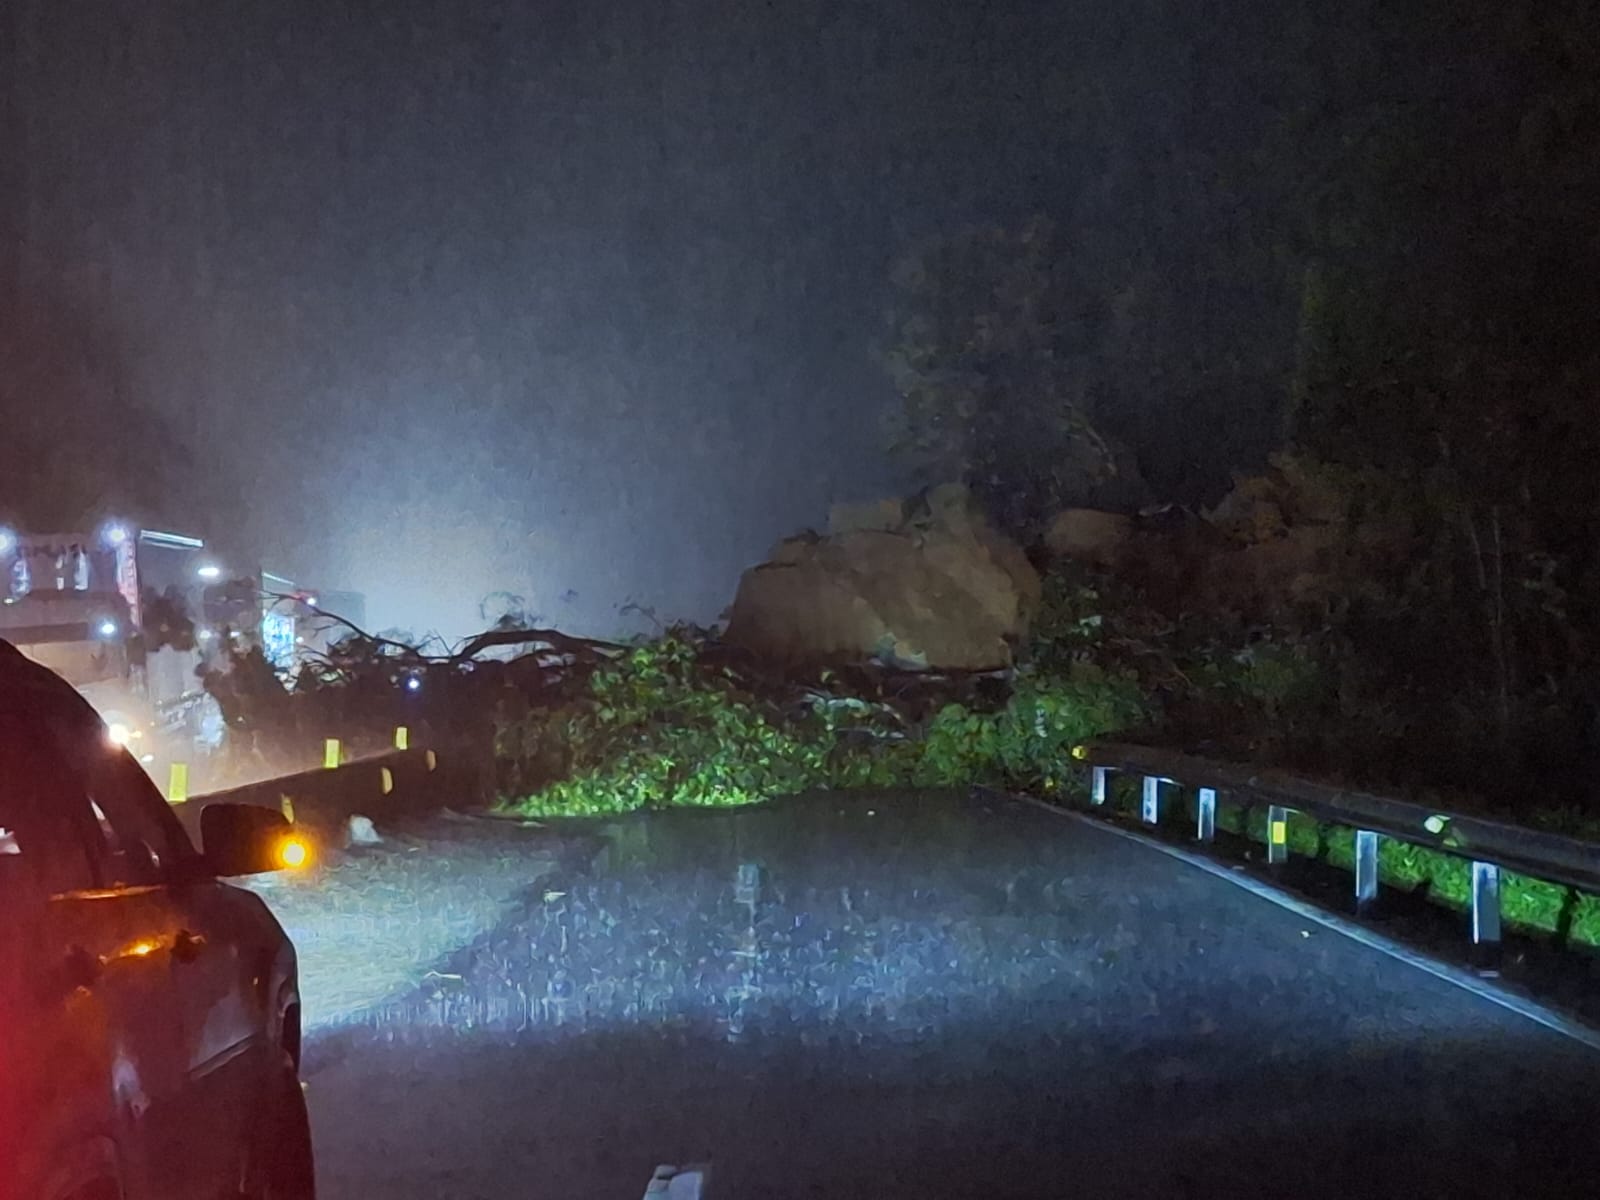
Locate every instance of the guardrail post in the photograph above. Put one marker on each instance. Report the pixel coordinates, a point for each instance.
(1097, 785)
(1206, 823)
(1150, 809)
(1277, 834)
(1486, 916)
(1366, 869)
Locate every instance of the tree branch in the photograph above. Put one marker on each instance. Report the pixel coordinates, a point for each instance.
(591, 649)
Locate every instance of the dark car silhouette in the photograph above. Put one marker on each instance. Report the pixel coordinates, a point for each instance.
(149, 1012)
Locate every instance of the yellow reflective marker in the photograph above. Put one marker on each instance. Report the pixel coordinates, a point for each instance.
(402, 738)
(177, 783)
(1280, 833)
(286, 806)
(330, 753)
(385, 780)
(1080, 752)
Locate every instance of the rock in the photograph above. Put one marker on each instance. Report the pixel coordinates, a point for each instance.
(1290, 493)
(359, 831)
(1252, 511)
(941, 589)
(1292, 539)
(1088, 535)
(678, 1183)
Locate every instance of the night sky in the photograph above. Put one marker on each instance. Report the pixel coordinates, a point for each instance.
(574, 300)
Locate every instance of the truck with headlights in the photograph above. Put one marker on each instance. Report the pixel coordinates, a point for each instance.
(119, 614)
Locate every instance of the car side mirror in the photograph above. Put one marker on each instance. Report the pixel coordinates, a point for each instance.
(246, 839)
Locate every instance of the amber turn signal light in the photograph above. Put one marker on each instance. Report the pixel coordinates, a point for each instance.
(294, 852)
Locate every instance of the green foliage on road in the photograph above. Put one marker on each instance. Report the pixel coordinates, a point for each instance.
(662, 727)
(657, 730)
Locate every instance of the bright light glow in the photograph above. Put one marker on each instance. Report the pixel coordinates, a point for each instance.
(114, 534)
(108, 629)
(203, 635)
(293, 852)
(413, 684)
(118, 734)
(210, 571)
(312, 601)
(143, 947)
(8, 541)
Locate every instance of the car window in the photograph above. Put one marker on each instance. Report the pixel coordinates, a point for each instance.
(42, 851)
(135, 837)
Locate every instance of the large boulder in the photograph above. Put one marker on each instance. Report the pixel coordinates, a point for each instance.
(941, 589)
(1295, 535)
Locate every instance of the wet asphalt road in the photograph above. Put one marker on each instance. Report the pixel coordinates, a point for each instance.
(932, 996)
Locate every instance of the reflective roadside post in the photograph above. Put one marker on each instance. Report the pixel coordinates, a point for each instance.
(402, 738)
(1366, 869)
(331, 753)
(1277, 835)
(1206, 815)
(1150, 800)
(178, 783)
(1486, 918)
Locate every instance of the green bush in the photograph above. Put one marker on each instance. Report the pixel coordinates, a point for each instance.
(658, 729)
(1029, 742)
(1525, 903)
(1585, 920)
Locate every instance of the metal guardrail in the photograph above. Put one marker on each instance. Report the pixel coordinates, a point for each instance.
(1490, 846)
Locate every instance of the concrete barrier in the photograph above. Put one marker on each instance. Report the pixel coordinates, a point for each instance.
(402, 783)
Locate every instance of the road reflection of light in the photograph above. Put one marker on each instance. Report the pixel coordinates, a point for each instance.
(878, 927)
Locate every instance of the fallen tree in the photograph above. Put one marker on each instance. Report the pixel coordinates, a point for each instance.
(676, 723)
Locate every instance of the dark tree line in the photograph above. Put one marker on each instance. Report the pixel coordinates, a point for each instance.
(1371, 240)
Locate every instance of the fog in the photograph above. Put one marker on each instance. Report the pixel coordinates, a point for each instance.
(439, 298)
